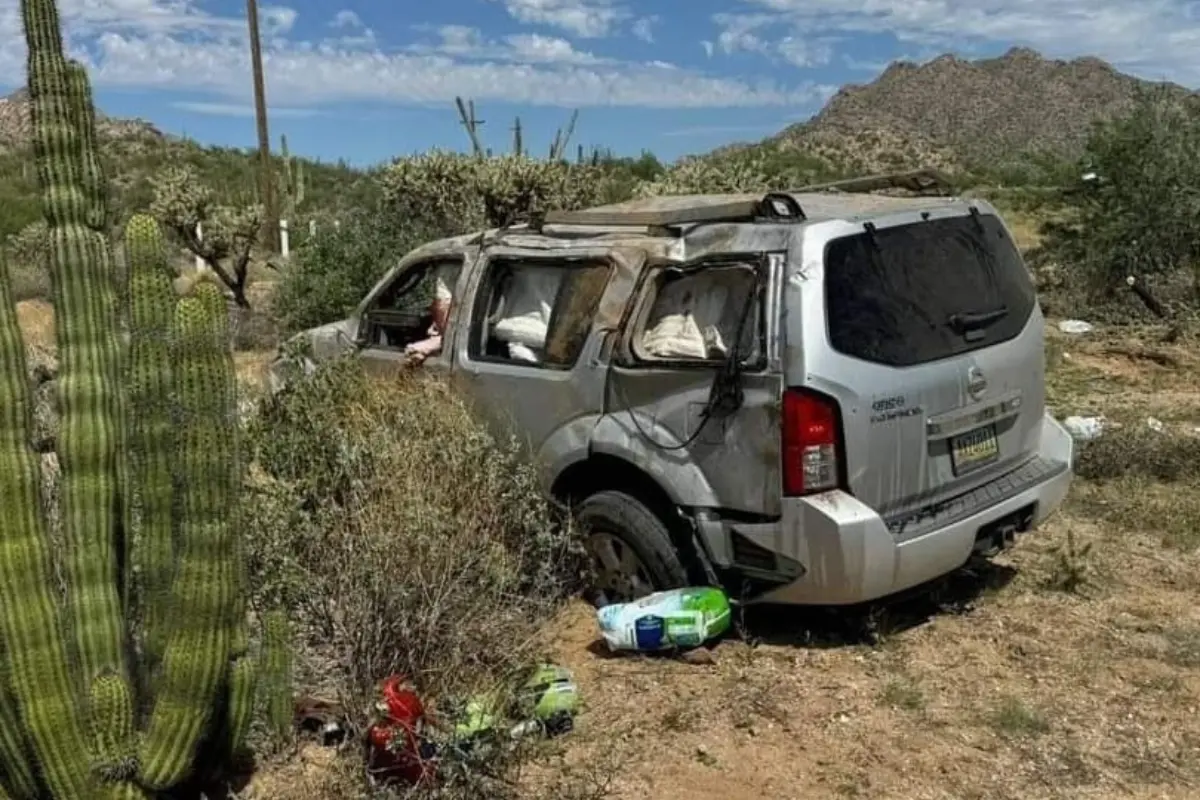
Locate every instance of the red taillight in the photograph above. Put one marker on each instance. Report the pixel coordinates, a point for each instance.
(810, 443)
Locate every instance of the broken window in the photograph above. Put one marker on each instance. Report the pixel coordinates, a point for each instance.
(414, 311)
(696, 315)
(536, 313)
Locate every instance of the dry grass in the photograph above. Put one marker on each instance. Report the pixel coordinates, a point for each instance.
(1069, 669)
(405, 540)
(1006, 686)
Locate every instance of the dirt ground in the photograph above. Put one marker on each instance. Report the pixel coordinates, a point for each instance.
(1006, 685)
(1068, 669)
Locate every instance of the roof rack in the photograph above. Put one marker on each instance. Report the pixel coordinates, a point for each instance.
(666, 211)
(662, 211)
(925, 181)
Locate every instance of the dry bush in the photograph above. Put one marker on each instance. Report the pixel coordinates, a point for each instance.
(1143, 480)
(25, 254)
(1135, 450)
(405, 539)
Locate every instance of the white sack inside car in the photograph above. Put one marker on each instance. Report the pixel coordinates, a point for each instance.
(524, 314)
(694, 316)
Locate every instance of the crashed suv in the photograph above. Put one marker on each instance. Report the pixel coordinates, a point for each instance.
(823, 396)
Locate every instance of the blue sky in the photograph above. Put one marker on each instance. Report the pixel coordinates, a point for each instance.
(365, 80)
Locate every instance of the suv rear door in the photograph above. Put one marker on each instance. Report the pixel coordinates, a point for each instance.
(925, 328)
(660, 397)
(527, 354)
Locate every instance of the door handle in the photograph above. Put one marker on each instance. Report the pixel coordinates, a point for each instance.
(603, 350)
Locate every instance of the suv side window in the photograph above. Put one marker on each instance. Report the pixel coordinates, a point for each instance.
(416, 302)
(695, 316)
(536, 313)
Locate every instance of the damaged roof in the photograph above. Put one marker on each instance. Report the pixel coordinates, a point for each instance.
(646, 223)
(845, 199)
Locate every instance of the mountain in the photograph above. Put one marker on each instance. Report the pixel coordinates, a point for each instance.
(133, 151)
(955, 113)
(15, 126)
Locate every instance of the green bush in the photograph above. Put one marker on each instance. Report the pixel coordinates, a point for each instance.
(331, 272)
(402, 537)
(1141, 216)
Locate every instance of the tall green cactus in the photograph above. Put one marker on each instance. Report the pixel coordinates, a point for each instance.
(293, 181)
(148, 452)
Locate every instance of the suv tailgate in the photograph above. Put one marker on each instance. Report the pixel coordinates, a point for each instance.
(932, 345)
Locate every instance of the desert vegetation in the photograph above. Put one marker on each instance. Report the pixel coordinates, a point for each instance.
(346, 529)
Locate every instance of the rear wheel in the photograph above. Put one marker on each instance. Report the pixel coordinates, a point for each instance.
(630, 548)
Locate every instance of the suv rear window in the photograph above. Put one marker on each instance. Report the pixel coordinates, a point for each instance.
(916, 293)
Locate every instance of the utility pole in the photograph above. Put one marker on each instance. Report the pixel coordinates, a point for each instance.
(466, 117)
(267, 176)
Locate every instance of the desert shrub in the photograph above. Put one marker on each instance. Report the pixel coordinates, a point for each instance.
(331, 272)
(402, 536)
(765, 168)
(26, 254)
(455, 193)
(1135, 450)
(1140, 214)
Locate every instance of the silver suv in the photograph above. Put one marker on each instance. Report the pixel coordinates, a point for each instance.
(822, 396)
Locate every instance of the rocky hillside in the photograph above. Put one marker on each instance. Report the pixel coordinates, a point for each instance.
(950, 110)
(15, 124)
(133, 151)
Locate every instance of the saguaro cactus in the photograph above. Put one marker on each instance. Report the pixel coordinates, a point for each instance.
(148, 453)
(293, 181)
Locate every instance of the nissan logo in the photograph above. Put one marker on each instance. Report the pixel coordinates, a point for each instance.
(976, 383)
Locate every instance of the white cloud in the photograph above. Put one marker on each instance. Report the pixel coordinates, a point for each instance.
(1152, 38)
(585, 18)
(644, 29)
(532, 48)
(346, 20)
(739, 33)
(801, 53)
(239, 110)
(176, 46)
(276, 20)
(708, 48)
(465, 42)
(747, 33)
(351, 30)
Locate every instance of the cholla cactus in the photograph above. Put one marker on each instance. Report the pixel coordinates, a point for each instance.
(436, 186)
(460, 193)
(714, 176)
(222, 236)
(148, 452)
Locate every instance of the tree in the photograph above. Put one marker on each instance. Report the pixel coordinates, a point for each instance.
(222, 236)
(1138, 210)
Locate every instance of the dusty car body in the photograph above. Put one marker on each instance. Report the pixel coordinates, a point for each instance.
(861, 410)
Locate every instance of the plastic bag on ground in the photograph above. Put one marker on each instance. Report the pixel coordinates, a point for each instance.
(678, 618)
(1075, 326)
(1084, 429)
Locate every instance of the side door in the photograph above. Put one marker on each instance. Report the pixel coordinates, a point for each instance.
(696, 380)
(531, 352)
(406, 312)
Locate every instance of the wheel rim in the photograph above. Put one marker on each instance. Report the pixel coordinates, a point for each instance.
(620, 574)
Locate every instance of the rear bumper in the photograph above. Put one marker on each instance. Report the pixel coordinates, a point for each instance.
(849, 554)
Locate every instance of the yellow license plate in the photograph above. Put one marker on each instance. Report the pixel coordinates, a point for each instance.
(974, 449)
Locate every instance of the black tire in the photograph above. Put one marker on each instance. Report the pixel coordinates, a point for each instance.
(634, 526)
